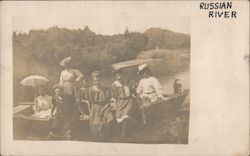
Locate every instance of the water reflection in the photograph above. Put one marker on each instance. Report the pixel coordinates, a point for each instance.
(168, 81)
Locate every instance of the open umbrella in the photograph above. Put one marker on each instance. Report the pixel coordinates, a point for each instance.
(34, 81)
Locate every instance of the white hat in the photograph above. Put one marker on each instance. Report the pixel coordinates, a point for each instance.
(141, 68)
(65, 61)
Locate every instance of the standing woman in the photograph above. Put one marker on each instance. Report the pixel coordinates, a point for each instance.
(61, 114)
(69, 79)
(100, 117)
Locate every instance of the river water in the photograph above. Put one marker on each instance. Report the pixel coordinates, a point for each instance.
(168, 81)
(173, 129)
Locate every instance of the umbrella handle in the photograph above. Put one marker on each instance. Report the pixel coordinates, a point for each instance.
(35, 95)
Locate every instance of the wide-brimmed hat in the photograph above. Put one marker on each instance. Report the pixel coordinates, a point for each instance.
(142, 68)
(117, 71)
(65, 61)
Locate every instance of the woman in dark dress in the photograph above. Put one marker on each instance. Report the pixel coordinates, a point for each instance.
(126, 108)
(101, 116)
(64, 119)
(84, 107)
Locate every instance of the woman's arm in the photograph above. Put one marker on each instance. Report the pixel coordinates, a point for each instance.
(157, 86)
(78, 75)
(139, 88)
(61, 79)
(53, 106)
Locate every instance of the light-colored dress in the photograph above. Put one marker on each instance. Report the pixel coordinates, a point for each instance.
(43, 106)
(100, 113)
(68, 80)
(124, 103)
(149, 88)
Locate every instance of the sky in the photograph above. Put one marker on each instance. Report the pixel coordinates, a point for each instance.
(102, 18)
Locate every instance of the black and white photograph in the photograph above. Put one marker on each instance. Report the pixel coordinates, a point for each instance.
(132, 78)
(86, 81)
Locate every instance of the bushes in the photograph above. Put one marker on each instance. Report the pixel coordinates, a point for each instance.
(39, 51)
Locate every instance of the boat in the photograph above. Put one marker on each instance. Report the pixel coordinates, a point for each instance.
(26, 125)
(158, 110)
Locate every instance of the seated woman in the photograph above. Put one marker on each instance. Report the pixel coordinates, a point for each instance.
(126, 108)
(43, 105)
(149, 87)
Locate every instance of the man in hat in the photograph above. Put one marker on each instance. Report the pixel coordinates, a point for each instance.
(149, 87)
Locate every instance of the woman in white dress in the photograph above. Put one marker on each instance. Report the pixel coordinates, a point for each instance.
(43, 105)
(69, 81)
(149, 87)
(69, 77)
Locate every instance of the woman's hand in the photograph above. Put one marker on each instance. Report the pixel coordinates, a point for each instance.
(78, 79)
(51, 117)
(161, 97)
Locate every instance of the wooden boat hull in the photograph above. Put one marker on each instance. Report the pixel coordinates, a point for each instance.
(162, 109)
(26, 126)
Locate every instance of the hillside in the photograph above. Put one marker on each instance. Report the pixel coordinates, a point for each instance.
(39, 51)
(166, 39)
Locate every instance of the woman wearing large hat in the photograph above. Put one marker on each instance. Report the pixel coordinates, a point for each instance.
(149, 87)
(69, 77)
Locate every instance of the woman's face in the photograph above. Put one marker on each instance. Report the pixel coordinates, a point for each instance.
(84, 82)
(67, 66)
(96, 80)
(57, 91)
(145, 74)
(41, 92)
(119, 76)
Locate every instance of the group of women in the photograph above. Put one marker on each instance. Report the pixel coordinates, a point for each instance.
(104, 107)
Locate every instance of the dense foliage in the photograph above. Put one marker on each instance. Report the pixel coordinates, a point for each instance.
(39, 51)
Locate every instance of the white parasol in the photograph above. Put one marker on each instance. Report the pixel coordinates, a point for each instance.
(34, 81)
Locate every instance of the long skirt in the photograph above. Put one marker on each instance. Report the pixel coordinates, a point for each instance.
(69, 88)
(125, 108)
(65, 119)
(99, 119)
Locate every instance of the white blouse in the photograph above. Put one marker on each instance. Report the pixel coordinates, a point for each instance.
(149, 85)
(70, 75)
(44, 102)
